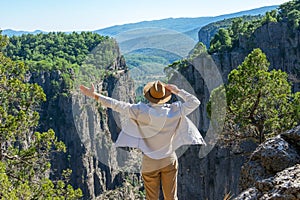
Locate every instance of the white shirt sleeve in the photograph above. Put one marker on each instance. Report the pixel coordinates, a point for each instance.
(190, 102)
(119, 106)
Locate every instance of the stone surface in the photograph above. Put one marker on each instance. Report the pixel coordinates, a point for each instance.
(269, 158)
(285, 185)
(277, 41)
(216, 174)
(272, 171)
(89, 154)
(293, 137)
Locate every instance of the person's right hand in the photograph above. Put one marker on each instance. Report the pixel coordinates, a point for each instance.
(90, 92)
(173, 88)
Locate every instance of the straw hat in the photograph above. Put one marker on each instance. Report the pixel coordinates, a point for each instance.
(156, 92)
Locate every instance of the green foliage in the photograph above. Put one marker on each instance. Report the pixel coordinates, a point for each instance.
(297, 106)
(228, 38)
(212, 28)
(180, 64)
(269, 17)
(260, 103)
(221, 41)
(25, 154)
(287, 12)
(62, 52)
(199, 49)
(290, 11)
(71, 47)
(3, 41)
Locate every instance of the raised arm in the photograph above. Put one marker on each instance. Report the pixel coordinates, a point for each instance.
(116, 105)
(190, 101)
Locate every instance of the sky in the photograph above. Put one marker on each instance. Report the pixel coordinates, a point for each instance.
(88, 15)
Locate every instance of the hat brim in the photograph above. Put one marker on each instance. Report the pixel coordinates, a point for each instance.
(148, 96)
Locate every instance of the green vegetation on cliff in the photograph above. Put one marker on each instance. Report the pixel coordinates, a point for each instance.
(62, 52)
(25, 153)
(227, 37)
(260, 103)
(290, 11)
(55, 61)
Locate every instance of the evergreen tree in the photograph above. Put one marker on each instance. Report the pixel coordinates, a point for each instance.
(221, 41)
(24, 153)
(260, 103)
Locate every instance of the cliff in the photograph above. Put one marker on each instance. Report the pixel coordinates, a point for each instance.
(218, 173)
(206, 33)
(278, 41)
(86, 130)
(213, 171)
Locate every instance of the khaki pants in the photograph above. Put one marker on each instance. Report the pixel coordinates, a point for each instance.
(167, 177)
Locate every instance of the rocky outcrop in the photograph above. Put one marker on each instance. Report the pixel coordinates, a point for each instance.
(213, 176)
(280, 44)
(87, 133)
(284, 186)
(218, 173)
(273, 169)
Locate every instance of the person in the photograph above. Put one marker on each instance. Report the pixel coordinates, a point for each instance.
(157, 128)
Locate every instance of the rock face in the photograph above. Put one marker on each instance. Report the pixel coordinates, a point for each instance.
(273, 169)
(279, 42)
(218, 173)
(87, 133)
(213, 175)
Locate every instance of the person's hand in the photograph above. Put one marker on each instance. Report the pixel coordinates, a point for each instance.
(173, 88)
(90, 92)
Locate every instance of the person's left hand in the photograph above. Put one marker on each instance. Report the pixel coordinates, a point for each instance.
(90, 92)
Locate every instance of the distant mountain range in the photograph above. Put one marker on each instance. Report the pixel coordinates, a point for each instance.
(168, 39)
(188, 26)
(10, 32)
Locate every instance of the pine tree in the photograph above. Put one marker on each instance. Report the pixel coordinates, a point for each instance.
(260, 103)
(24, 153)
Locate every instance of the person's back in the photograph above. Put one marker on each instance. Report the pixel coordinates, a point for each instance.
(157, 129)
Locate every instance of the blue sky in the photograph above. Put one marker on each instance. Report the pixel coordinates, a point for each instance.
(80, 15)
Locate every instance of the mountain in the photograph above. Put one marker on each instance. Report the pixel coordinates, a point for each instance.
(177, 36)
(10, 32)
(189, 26)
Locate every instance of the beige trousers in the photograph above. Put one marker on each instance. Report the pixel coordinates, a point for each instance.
(167, 177)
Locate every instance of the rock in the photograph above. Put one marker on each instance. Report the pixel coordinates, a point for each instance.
(88, 142)
(271, 157)
(293, 137)
(249, 194)
(273, 170)
(285, 185)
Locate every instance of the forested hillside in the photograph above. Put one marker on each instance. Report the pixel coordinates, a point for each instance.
(56, 143)
(25, 155)
(49, 65)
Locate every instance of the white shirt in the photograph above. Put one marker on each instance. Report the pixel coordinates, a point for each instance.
(156, 129)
